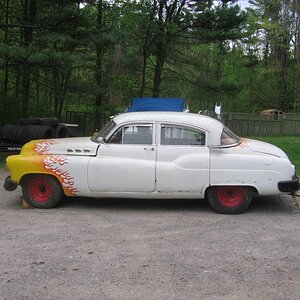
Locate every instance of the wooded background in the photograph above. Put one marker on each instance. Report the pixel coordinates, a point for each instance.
(95, 56)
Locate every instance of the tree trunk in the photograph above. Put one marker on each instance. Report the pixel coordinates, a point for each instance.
(60, 84)
(146, 47)
(297, 60)
(143, 75)
(56, 91)
(37, 87)
(6, 74)
(160, 60)
(168, 19)
(99, 57)
(64, 83)
(26, 71)
(29, 16)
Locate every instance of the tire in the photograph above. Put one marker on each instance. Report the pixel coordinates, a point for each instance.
(72, 132)
(12, 134)
(40, 121)
(29, 121)
(17, 134)
(229, 199)
(1, 132)
(9, 184)
(42, 191)
(61, 131)
(36, 132)
(48, 121)
(7, 132)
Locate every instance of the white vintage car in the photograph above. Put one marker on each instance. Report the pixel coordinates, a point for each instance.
(153, 155)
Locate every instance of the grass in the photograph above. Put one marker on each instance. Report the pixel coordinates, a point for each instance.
(289, 144)
(2, 160)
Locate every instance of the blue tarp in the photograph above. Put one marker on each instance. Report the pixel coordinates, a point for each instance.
(157, 104)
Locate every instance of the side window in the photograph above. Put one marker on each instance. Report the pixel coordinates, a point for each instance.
(177, 135)
(133, 134)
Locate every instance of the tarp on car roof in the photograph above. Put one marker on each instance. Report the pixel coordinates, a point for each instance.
(157, 104)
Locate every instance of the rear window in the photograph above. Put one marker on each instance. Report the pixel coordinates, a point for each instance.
(178, 135)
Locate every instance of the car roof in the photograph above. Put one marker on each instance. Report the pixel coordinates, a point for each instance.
(201, 121)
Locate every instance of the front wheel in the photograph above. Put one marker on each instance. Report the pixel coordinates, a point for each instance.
(229, 199)
(41, 191)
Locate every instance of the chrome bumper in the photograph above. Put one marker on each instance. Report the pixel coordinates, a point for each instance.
(9, 184)
(289, 186)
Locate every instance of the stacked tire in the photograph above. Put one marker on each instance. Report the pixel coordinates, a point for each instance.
(34, 129)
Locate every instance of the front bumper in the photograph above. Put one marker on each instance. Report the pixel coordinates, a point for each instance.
(289, 186)
(9, 184)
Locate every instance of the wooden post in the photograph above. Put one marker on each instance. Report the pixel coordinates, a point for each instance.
(295, 197)
(25, 204)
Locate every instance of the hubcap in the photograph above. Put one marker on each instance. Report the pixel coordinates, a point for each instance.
(230, 196)
(40, 189)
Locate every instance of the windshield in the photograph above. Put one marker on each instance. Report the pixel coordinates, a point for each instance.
(228, 138)
(104, 131)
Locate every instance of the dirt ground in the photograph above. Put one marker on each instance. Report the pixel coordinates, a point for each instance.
(148, 249)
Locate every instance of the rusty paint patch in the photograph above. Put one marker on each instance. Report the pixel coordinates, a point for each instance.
(244, 143)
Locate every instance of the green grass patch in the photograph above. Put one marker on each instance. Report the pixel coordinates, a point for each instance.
(2, 159)
(289, 144)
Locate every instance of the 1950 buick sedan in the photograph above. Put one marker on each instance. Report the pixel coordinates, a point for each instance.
(153, 155)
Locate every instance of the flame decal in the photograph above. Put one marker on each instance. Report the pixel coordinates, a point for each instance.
(55, 164)
(43, 147)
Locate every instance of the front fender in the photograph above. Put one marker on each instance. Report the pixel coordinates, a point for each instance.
(19, 166)
(57, 166)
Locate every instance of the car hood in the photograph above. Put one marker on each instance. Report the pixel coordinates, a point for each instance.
(263, 147)
(82, 146)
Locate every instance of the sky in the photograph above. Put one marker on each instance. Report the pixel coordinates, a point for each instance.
(243, 3)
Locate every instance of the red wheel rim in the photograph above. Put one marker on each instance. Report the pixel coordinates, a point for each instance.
(40, 189)
(230, 196)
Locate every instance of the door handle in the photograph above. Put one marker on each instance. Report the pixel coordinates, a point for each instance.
(149, 149)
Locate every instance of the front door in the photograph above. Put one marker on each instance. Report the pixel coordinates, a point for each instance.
(125, 162)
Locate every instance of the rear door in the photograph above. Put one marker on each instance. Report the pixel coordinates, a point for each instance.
(182, 160)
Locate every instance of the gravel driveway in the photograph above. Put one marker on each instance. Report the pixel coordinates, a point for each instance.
(148, 249)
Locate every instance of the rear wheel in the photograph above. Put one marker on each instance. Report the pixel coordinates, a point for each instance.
(229, 199)
(41, 191)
